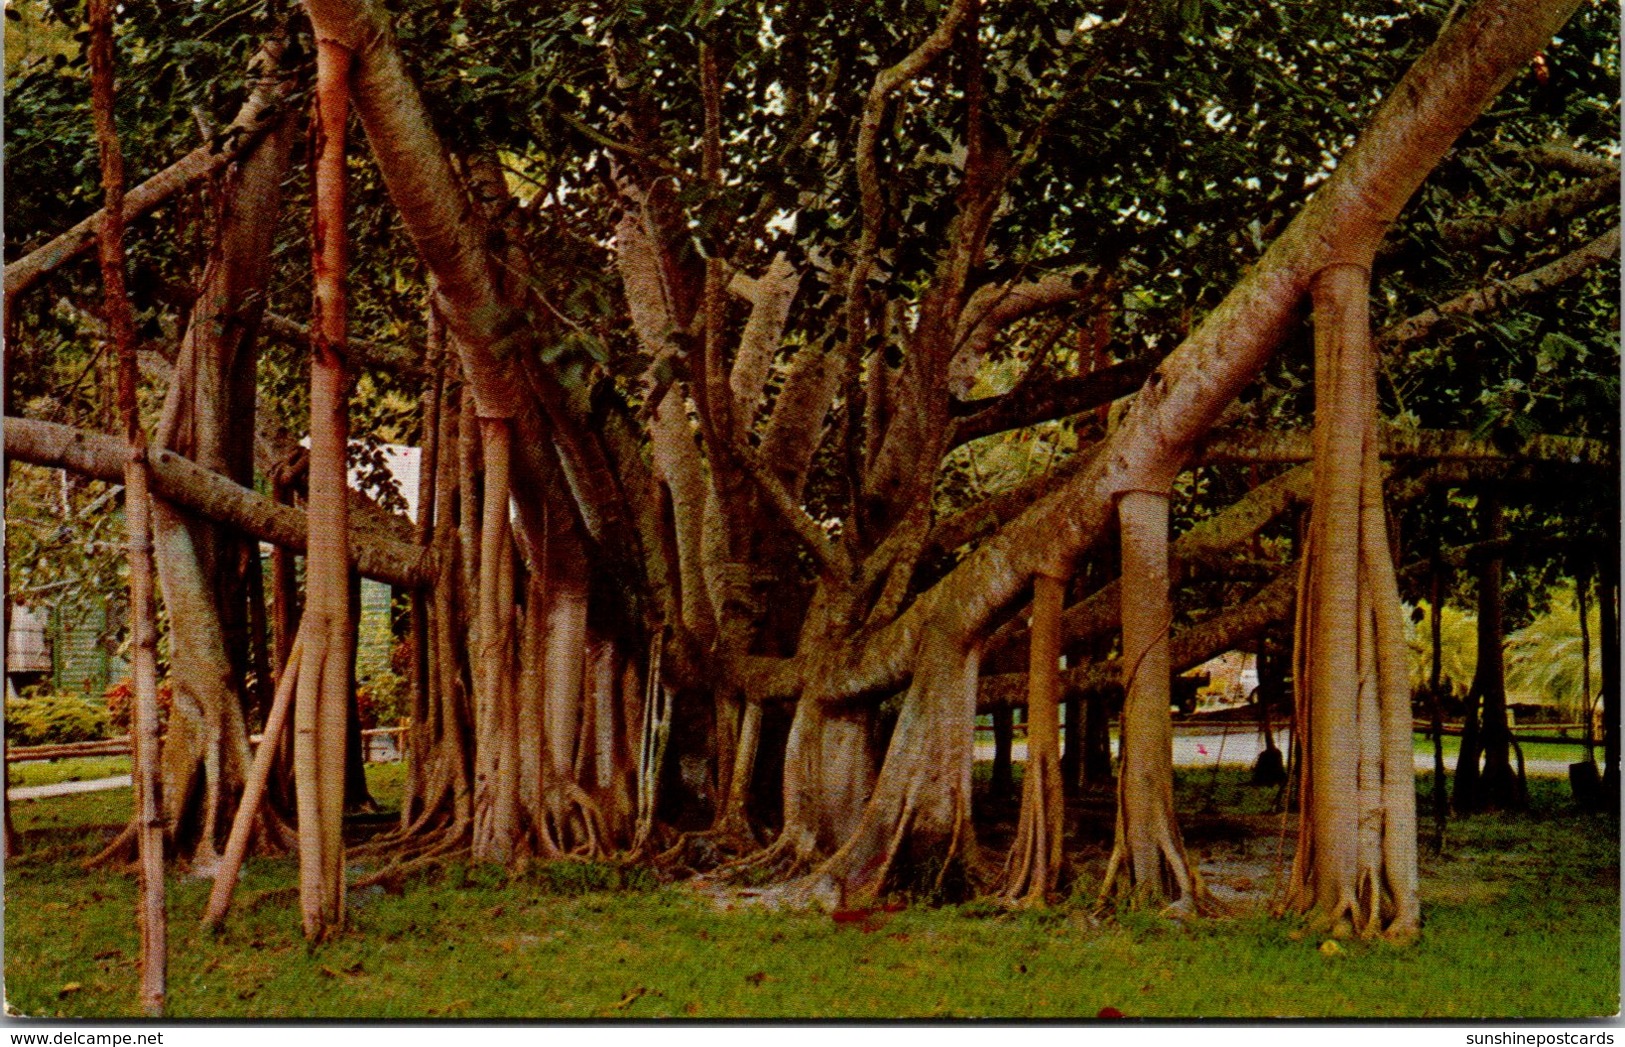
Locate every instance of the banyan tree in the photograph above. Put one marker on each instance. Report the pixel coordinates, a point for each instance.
(712, 325)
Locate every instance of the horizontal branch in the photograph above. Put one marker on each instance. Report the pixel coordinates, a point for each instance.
(1188, 647)
(1205, 545)
(1564, 158)
(1232, 447)
(1543, 212)
(258, 113)
(993, 512)
(207, 493)
(1494, 295)
(363, 352)
(1034, 402)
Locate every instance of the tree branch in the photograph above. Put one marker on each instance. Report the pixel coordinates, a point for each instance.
(208, 494)
(1230, 447)
(1495, 295)
(1033, 402)
(259, 111)
(1543, 212)
(362, 352)
(1564, 158)
(1188, 647)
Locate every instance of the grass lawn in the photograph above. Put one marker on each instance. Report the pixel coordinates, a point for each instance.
(77, 769)
(1565, 754)
(1522, 920)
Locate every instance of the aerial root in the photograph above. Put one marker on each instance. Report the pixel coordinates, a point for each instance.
(706, 850)
(120, 852)
(792, 854)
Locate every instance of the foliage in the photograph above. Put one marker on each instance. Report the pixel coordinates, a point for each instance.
(120, 699)
(1542, 659)
(54, 719)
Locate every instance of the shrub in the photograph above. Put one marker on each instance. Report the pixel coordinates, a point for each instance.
(54, 719)
(120, 700)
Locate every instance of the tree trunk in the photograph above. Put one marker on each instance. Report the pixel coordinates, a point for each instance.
(1033, 867)
(914, 831)
(151, 918)
(1498, 785)
(1097, 737)
(1148, 860)
(1441, 799)
(322, 698)
(1003, 782)
(208, 417)
(242, 826)
(1355, 867)
(496, 779)
(1608, 606)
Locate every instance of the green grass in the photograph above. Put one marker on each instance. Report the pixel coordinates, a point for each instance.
(1522, 920)
(77, 769)
(1564, 754)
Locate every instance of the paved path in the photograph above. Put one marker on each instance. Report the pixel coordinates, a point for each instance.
(41, 792)
(1243, 745)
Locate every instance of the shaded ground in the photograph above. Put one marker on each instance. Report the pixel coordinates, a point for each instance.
(1522, 919)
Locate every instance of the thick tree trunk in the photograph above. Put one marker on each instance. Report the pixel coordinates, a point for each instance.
(322, 697)
(1148, 862)
(1355, 867)
(908, 828)
(1033, 867)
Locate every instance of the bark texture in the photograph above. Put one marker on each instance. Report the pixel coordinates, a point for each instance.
(1148, 862)
(1033, 867)
(1354, 871)
(324, 673)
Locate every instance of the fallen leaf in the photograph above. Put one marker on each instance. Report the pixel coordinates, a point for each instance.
(107, 954)
(1109, 1012)
(71, 987)
(1330, 948)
